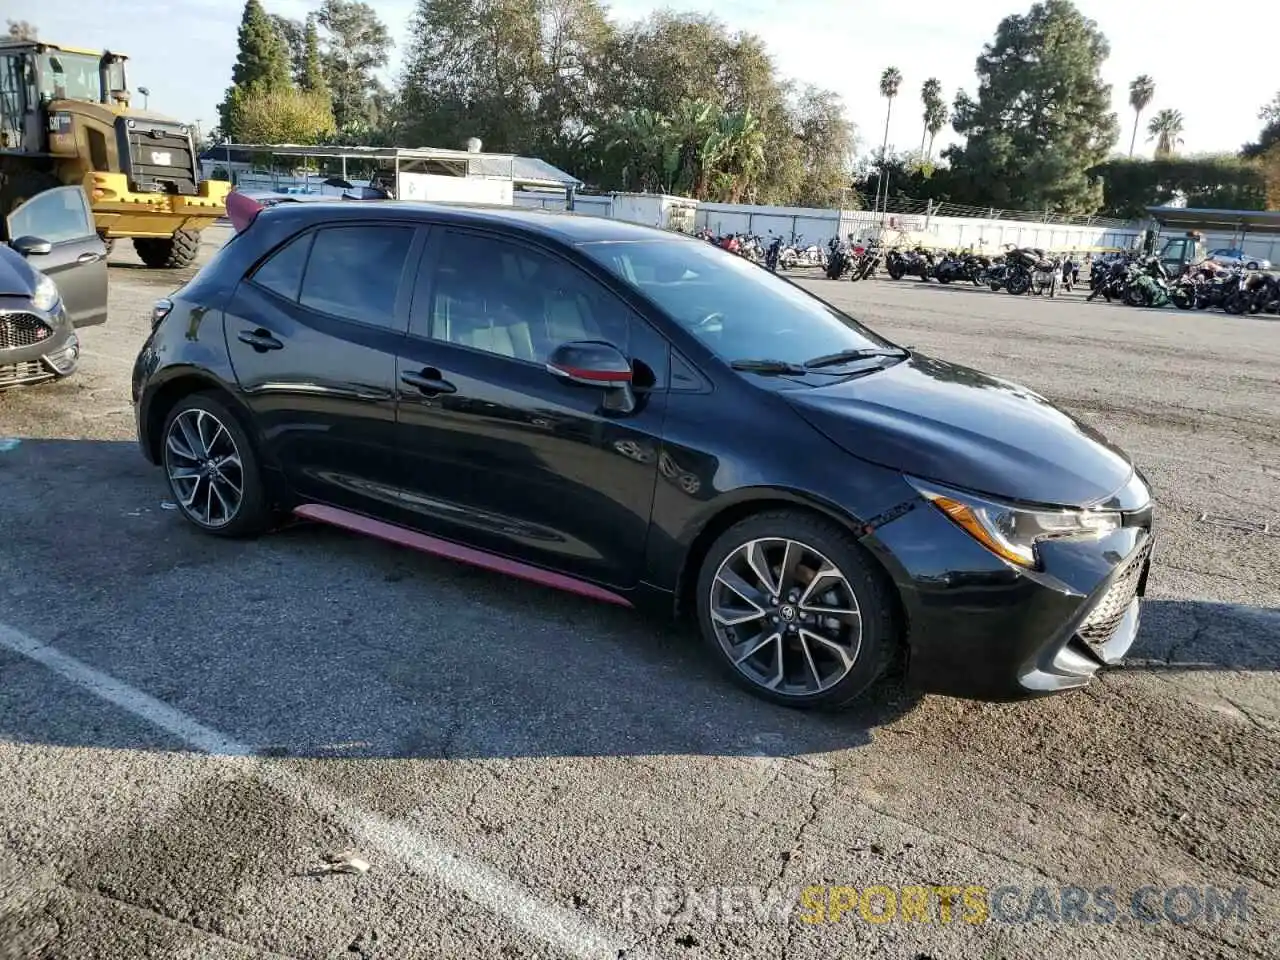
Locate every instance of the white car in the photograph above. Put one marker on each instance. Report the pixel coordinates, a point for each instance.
(1238, 258)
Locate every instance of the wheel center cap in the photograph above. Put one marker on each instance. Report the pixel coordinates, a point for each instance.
(787, 612)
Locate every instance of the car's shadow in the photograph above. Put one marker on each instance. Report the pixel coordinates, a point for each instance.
(314, 642)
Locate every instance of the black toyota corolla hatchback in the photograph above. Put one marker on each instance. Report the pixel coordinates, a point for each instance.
(642, 418)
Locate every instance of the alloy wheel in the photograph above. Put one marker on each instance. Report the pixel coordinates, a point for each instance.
(204, 468)
(785, 616)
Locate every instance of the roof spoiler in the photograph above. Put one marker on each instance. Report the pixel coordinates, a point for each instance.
(242, 210)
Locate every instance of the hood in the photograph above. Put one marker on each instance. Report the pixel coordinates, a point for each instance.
(17, 278)
(955, 425)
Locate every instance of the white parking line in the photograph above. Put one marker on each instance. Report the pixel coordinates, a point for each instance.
(556, 926)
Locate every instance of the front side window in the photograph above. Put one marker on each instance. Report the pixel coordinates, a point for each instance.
(70, 76)
(354, 272)
(59, 215)
(501, 297)
(739, 310)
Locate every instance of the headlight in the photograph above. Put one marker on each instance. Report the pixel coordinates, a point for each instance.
(46, 296)
(1012, 532)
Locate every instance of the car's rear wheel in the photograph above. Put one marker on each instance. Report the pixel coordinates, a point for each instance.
(213, 470)
(796, 610)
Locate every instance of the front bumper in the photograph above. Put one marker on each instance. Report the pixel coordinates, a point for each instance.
(981, 629)
(35, 346)
(121, 212)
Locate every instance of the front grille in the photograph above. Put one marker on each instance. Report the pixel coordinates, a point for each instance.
(149, 149)
(11, 373)
(22, 330)
(1106, 616)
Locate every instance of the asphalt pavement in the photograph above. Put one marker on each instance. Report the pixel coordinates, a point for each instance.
(190, 729)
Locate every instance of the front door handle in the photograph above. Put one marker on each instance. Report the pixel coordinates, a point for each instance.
(428, 381)
(261, 340)
(89, 257)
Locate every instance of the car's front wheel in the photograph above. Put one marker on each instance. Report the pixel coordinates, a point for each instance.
(796, 610)
(213, 469)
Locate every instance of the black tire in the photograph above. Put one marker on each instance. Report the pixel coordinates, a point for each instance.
(254, 514)
(879, 637)
(168, 253)
(21, 187)
(1182, 298)
(1018, 284)
(897, 272)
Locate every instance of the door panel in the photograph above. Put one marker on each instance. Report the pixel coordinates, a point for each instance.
(78, 261)
(500, 453)
(514, 461)
(323, 387)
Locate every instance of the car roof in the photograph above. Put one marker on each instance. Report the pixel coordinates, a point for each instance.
(567, 227)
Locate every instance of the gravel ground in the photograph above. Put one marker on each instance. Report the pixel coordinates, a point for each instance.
(191, 725)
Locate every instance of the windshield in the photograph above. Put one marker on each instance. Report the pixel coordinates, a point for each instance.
(739, 310)
(75, 72)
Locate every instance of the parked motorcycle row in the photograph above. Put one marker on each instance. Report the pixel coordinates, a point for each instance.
(1133, 279)
(777, 254)
(1018, 270)
(1143, 281)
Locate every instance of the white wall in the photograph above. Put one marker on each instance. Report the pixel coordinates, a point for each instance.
(430, 186)
(816, 225)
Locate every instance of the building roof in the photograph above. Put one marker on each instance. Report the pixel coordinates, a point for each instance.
(1200, 218)
(524, 171)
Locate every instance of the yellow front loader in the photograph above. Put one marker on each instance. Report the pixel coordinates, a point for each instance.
(65, 118)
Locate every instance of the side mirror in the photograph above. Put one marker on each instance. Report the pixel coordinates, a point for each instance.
(32, 246)
(591, 363)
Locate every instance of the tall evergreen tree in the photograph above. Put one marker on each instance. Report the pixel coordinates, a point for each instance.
(311, 75)
(1043, 115)
(262, 64)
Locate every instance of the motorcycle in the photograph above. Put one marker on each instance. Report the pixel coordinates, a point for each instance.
(917, 262)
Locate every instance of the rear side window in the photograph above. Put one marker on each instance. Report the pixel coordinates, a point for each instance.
(354, 272)
(282, 272)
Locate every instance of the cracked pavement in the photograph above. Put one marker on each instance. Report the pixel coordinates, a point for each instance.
(594, 762)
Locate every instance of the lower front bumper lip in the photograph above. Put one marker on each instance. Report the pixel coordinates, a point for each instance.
(1073, 667)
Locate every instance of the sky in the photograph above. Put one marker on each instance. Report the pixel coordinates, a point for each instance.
(183, 50)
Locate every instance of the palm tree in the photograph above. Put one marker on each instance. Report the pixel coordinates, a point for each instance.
(890, 81)
(931, 97)
(1140, 93)
(1165, 128)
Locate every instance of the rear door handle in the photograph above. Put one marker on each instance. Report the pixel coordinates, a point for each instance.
(261, 340)
(429, 381)
(89, 258)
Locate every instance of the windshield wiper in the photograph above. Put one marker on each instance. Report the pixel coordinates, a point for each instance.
(848, 356)
(768, 366)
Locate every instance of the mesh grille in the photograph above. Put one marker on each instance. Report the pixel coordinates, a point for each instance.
(1106, 616)
(11, 373)
(162, 163)
(22, 330)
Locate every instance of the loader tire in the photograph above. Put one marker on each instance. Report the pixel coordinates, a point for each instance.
(161, 253)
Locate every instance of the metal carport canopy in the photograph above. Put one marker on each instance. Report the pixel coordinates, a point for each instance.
(1193, 218)
(524, 171)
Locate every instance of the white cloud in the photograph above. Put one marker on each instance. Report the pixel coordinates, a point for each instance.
(183, 51)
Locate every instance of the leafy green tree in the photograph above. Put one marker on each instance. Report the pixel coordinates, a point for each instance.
(262, 63)
(826, 141)
(357, 46)
(472, 69)
(281, 115)
(1141, 92)
(1130, 185)
(1042, 118)
(1270, 136)
(1165, 129)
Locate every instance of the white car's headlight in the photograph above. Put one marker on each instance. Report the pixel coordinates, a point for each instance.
(46, 296)
(1011, 531)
